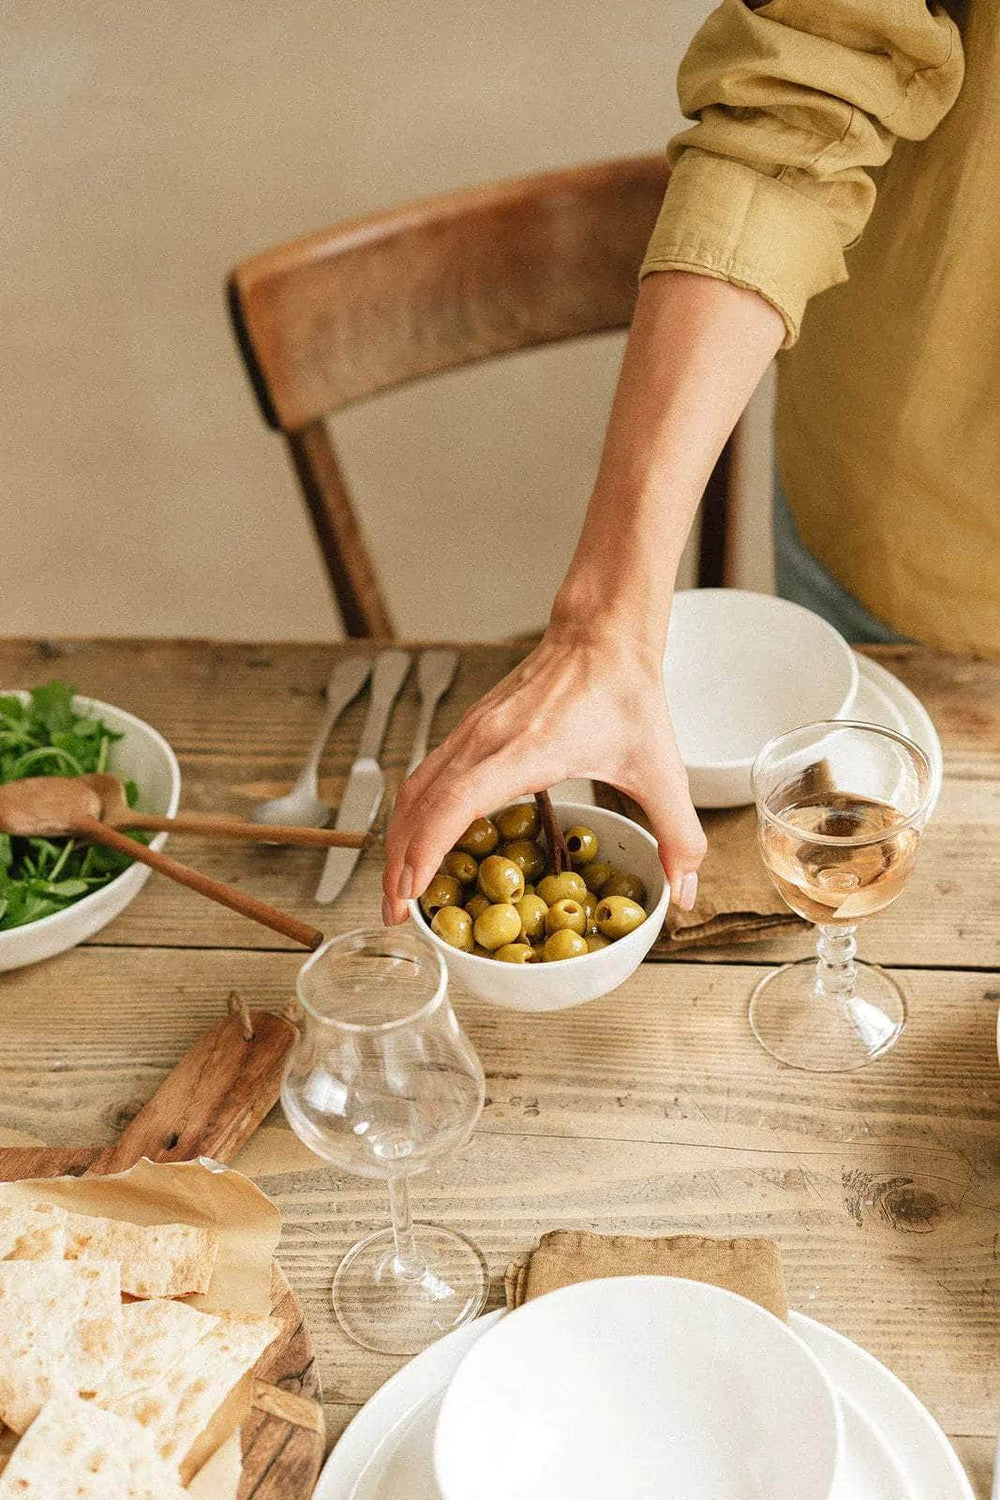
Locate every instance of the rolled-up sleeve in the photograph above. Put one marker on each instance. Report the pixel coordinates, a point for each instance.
(793, 100)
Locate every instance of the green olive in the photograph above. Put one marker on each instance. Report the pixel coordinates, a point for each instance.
(529, 889)
(498, 925)
(617, 916)
(454, 927)
(566, 914)
(531, 910)
(567, 886)
(589, 904)
(597, 876)
(476, 905)
(625, 885)
(597, 940)
(444, 890)
(480, 838)
(563, 944)
(501, 879)
(520, 821)
(582, 845)
(460, 865)
(527, 855)
(516, 953)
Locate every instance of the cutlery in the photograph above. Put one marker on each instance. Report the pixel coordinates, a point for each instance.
(435, 674)
(50, 806)
(366, 781)
(303, 806)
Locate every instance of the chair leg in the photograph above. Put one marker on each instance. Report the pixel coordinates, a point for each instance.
(348, 562)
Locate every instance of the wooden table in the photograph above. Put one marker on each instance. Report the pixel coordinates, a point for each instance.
(653, 1111)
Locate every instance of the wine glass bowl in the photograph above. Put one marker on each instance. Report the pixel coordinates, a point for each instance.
(841, 806)
(383, 1082)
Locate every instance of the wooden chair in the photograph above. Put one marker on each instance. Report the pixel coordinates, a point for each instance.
(347, 312)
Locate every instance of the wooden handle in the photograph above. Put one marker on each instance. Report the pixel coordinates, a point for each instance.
(215, 890)
(210, 826)
(558, 853)
(213, 1100)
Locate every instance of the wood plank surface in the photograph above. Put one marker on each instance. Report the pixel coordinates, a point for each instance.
(240, 718)
(652, 1111)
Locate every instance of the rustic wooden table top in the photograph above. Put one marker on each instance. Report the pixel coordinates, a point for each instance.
(652, 1111)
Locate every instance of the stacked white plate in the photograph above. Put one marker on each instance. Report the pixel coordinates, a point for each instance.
(891, 1447)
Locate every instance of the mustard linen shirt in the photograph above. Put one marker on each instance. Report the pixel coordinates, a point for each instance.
(815, 119)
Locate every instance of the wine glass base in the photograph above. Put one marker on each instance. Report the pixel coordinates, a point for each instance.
(805, 1028)
(394, 1314)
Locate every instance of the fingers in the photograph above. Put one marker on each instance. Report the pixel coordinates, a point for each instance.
(442, 812)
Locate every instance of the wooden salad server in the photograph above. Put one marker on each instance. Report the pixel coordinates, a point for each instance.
(53, 806)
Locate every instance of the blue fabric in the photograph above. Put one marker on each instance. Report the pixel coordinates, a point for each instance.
(803, 579)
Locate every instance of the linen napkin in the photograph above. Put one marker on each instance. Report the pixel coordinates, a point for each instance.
(750, 1267)
(736, 902)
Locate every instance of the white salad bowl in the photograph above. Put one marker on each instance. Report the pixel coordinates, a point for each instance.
(741, 668)
(142, 756)
(571, 981)
(638, 1386)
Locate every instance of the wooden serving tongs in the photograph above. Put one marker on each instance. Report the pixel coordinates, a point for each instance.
(94, 808)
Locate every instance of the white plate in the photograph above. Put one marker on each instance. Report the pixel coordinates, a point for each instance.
(908, 714)
(896, 1451)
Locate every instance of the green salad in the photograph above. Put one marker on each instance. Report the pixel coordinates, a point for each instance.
(47, 737)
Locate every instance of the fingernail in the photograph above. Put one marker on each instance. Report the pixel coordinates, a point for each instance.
(386, 912)
(406, 883)
(687, 891)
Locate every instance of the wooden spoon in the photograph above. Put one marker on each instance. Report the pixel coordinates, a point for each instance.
(116, 813)
(53, 806)
(558, 852)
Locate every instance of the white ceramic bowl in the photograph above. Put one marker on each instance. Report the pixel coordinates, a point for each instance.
(741, 668)
(641, 1386)
(144, 757)
(571, 981)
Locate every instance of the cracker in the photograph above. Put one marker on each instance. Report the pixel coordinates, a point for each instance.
(177, 1407)
(76, 1449)
(60, 1332)
(159, 1338)
(157, 1260)
(36, 1232)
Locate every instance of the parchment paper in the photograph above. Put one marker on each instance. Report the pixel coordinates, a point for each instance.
(248, 1226)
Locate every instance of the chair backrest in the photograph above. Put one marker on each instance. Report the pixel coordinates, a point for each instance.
(337, 316)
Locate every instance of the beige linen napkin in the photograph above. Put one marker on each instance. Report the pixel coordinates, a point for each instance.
(751, 1267)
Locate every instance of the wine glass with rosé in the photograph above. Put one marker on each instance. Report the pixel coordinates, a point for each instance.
(841, 807)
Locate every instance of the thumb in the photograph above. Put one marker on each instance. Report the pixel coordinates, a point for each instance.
(666, 801)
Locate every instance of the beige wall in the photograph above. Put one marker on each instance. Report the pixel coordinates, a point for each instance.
(147, 148)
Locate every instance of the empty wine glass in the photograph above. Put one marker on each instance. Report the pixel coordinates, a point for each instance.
(840, 810)
(384, 1082)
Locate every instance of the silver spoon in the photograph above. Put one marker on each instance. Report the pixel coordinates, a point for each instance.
(435, 673)
(303, 806)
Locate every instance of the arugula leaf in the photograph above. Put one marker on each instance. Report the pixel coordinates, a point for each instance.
(46, 737)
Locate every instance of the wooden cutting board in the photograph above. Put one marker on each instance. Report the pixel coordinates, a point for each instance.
(209, 1105)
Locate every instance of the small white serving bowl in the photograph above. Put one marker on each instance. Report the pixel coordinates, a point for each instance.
(741, 668)
(571, 981)
(644, 1386)
(142, 756)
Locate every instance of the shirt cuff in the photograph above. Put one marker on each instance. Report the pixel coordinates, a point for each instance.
(722, 218)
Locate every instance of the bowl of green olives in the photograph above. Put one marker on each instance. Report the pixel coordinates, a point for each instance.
(520, 937)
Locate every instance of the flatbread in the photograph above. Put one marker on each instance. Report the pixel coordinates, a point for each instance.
(37, 1232)
(75, 1450)
(8, 1442)
(157, 1260)
(60, 1333)
(177, 1407)
(159, 1338)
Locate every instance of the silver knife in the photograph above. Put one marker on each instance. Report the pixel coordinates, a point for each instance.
(366, 782)
(435, 675)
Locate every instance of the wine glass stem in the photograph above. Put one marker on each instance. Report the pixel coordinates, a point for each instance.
(836, 974)
(406, 1261)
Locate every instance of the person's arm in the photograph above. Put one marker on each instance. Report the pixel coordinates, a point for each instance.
(589, 701)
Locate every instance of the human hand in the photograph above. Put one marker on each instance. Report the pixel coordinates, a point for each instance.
(587, 705)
